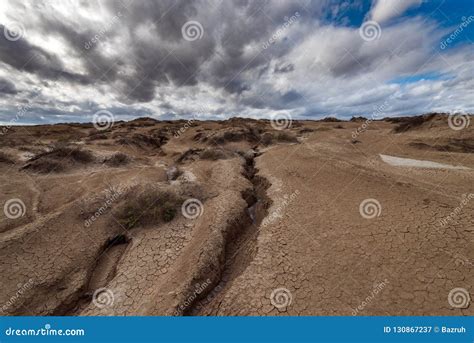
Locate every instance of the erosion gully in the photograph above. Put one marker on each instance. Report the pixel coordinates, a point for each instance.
(241, 245)
(240, 249)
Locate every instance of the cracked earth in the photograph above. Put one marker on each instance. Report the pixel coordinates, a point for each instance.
(279, 226)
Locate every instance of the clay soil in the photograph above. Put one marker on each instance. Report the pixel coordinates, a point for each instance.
(103, 229)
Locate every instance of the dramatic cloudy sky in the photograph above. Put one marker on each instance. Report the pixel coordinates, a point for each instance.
(64, 60)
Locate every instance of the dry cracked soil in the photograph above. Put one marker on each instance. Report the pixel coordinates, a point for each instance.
(237, 217)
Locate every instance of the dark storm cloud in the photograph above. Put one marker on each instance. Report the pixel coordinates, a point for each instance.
(161, 56)
(24, 56)
(97, 65)
(231, 26)
(291, 96)
(7, 87)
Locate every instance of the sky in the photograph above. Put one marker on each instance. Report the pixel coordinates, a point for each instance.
(67, 60)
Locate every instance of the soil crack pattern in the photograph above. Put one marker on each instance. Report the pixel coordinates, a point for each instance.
(241, 242)
(99, 276)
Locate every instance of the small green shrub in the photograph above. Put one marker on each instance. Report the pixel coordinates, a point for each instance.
(151, 206)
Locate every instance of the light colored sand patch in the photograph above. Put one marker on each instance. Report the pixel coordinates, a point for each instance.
(408, 162)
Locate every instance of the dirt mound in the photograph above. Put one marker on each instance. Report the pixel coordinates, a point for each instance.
(359, 119)
(305, 130)
(230, 134)
(452, 145)
(211, 154)
(410, 123)
(215, 154)
(144, 141)
(59, 158)
(97, 136)
(142, 122)
(189, 155)
(330, 120)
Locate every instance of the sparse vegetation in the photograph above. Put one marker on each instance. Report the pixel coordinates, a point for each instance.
(410, 123)
(140, 140)
(64, 151)
(46, 165)
(231, 134)
(452, 145)
(97, 136)
(150, 206)
(215, 154)
(359, 119)
(190, 154)
(118, 159)
(280, 136)
(59, 158)
(330, 120)
(306, 130)
(173, 173)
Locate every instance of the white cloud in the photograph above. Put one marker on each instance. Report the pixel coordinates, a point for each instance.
(384, 10)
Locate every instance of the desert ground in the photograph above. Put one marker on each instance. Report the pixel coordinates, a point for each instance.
(238, 217)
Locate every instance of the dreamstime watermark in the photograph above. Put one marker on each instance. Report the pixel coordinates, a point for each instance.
(22, 289)
(187, 125)
(281, 298)
(278, 212)
(370, 31)
(370, 208)
(377, 113)
(111, 195)
(192, 208)
(198, 290)
(103, 120)
(281, 121)
(376, 290)
(14, 31)
(458, 121)
(202, 303)
(459, 261)
(452, 37)
(192, 30)
(459, 298)
(103, 297)
(465, 200)
(279, 32)
(14, 208)
(103, 31)
(46, 331)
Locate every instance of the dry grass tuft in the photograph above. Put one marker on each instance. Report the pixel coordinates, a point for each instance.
(150, 206)
(59, 158)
